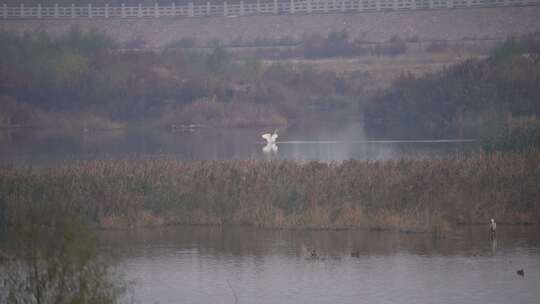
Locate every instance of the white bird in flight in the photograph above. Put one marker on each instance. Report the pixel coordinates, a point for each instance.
(271, 146)
(270, 138)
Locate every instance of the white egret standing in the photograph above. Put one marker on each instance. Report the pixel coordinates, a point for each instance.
(492, 226)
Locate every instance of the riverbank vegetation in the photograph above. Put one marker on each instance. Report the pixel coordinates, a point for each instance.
(410, 195)
(335, 44)
(472, 99)
(86, 74)
(86, 81)
(54, 258)
(514, 135)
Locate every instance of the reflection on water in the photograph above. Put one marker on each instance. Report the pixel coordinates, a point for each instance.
(197, 264)
(323, 143)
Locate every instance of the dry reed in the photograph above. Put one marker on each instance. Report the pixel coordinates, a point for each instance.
(410, 195)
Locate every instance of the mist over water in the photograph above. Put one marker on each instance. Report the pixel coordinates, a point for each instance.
(319, 142)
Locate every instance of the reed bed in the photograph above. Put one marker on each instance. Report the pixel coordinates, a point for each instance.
(428, 195)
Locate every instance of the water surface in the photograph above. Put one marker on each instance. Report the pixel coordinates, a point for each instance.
(322, 143)
(217, 264)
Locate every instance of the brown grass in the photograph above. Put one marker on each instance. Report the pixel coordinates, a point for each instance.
(406, 195)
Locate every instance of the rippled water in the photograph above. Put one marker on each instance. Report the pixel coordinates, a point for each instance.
(321, 142)
(215, 265)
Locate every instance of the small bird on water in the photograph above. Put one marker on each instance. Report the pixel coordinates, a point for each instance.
(521, 272)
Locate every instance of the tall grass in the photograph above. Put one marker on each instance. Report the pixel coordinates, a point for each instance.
(417, 195)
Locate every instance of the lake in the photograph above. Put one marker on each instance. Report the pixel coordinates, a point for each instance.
(196, 264)
(249, 265)
(323, 142)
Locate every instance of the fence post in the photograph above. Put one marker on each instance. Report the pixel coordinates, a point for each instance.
(190, 10)
(39, 11)
(342, 5)
(173, 9)
(224, 8)
(258, 6)
(123, 10)
(5, 11)
(208, 9)
(378, 5)
(309, 6)
(106, 10)
(139, 11)
(326, 6)
(430, 4)
(90, 10)
(21, 14)
(276, 10)
(291, 7)
(156, 10)
(72, 10)
(241, 7)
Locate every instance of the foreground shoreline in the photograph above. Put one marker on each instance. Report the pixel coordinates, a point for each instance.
(427, 195)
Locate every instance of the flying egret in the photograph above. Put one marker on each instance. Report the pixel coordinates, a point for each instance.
(270, 138)
(270, 148)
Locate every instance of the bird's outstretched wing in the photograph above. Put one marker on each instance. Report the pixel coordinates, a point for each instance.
(267, 136)
(270, 148)
(274, 137)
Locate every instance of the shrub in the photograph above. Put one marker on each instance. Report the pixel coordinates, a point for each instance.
(517, 135)
(57, 262)
(510, 48)
(218, 59)
(434, 105)
(437, 47)
(184, 42)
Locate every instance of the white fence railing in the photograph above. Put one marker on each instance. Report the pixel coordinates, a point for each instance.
(252, 7)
